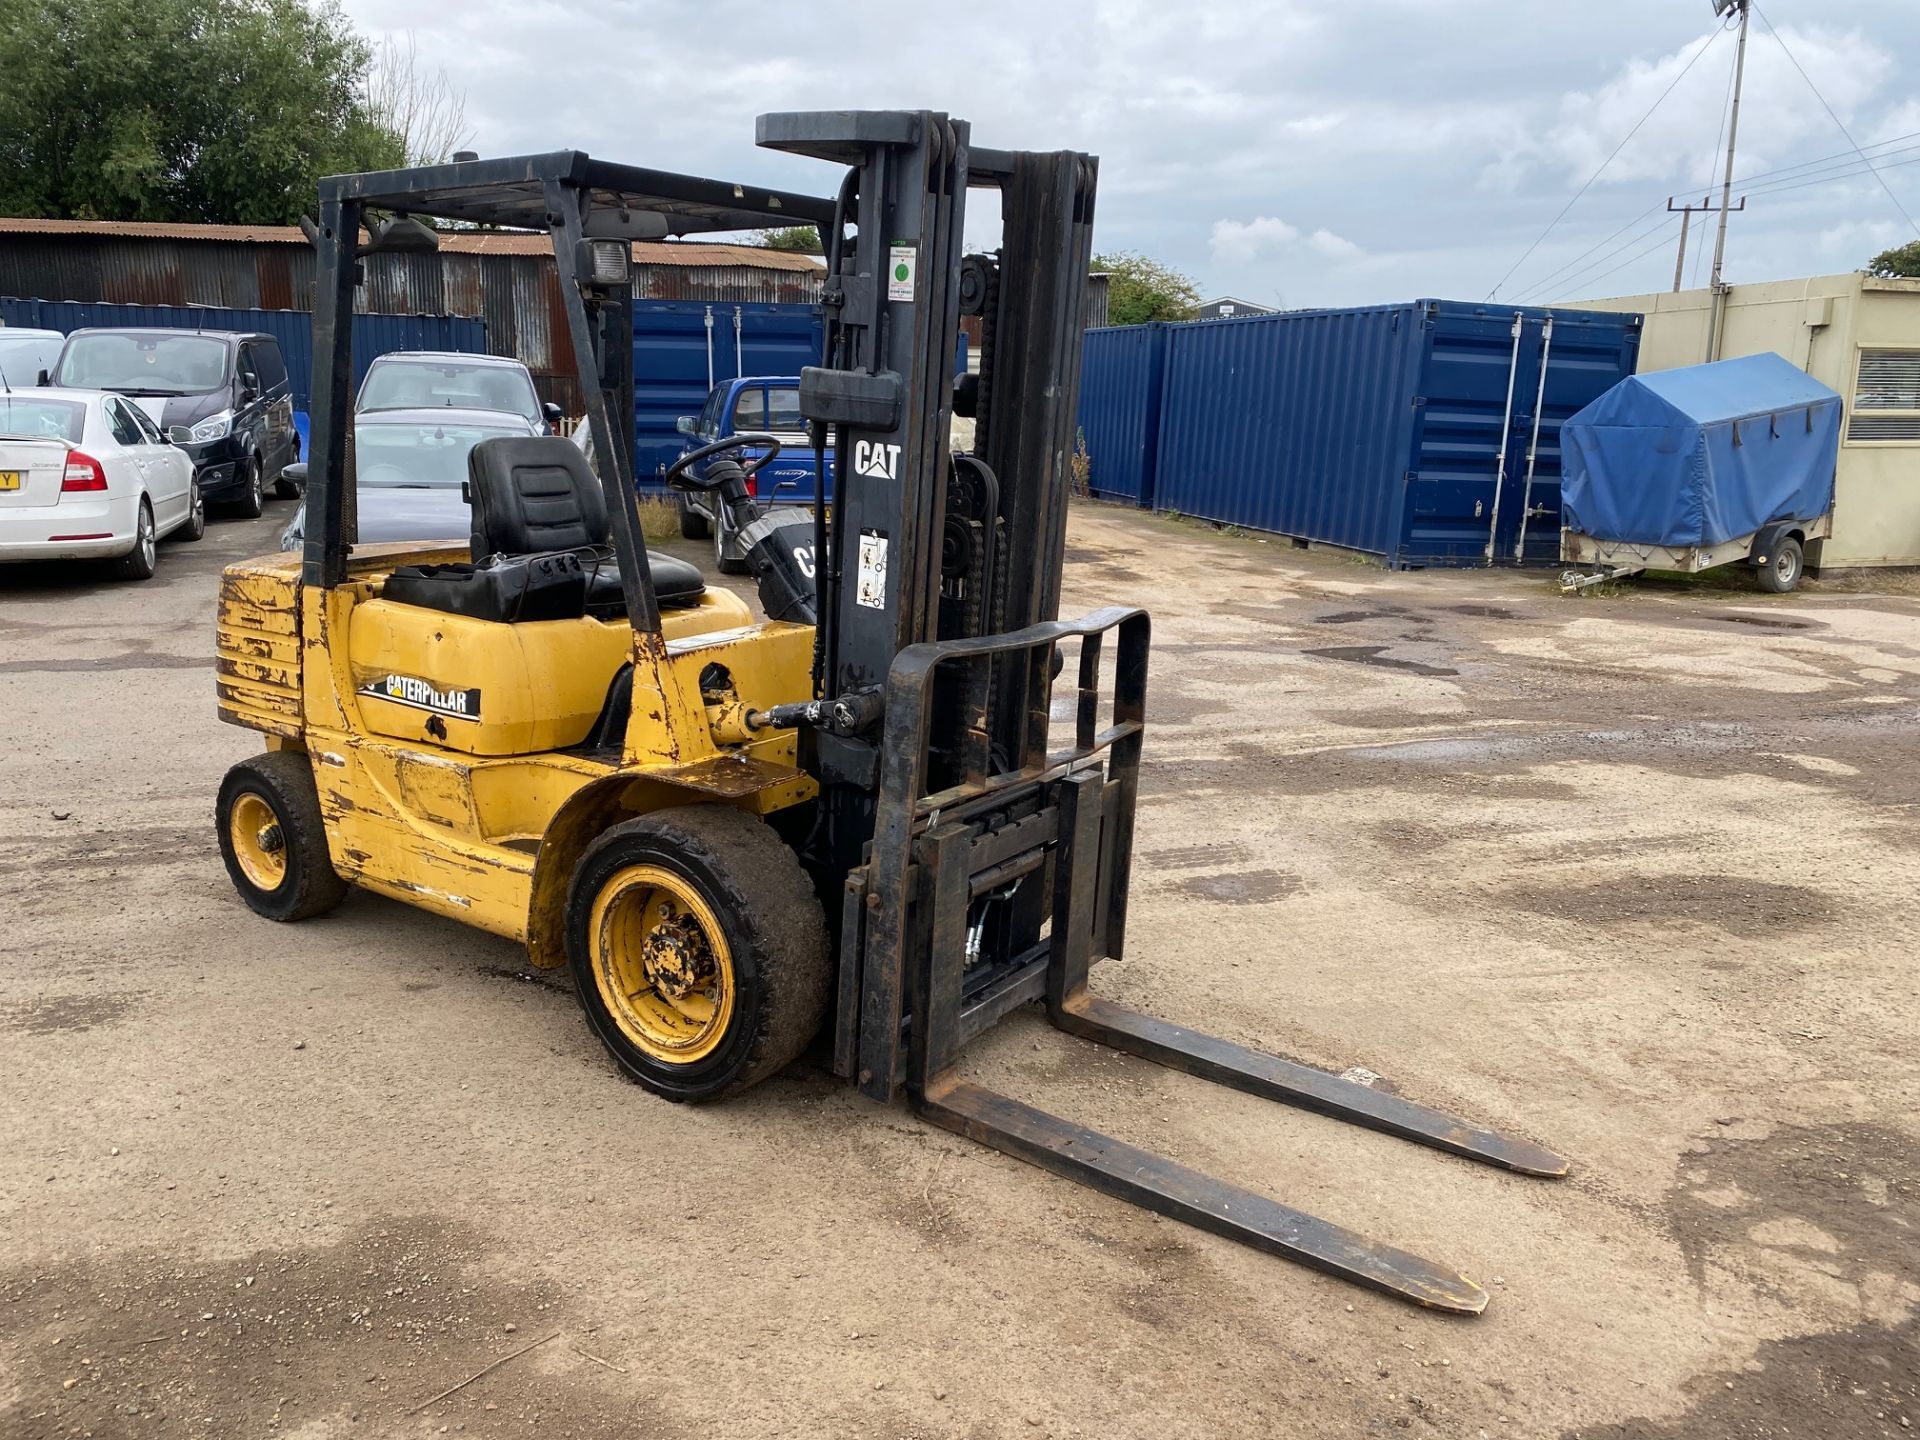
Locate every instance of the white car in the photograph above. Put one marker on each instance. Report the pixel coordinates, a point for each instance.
(86, 475)
(25, 355)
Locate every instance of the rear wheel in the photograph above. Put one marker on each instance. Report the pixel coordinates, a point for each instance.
(1784, 567)
(698, 950)
(252, 503)
(138, 563)
(273, 838)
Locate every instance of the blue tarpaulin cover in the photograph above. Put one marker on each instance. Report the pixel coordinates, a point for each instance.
(1701, 455)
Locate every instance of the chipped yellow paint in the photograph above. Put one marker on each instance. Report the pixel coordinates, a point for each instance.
(483, 820)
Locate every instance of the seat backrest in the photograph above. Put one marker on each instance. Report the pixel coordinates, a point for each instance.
(531, 494)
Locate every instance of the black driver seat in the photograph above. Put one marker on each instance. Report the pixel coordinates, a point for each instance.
(540, 543)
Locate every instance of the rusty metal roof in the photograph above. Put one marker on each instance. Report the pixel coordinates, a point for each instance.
(455, 242)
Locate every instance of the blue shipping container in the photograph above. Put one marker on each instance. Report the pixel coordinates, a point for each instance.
(1404, 431)
(683, 348)
(373, 335)
(1120, 377)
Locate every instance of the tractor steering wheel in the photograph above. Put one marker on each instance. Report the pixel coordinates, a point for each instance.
(678, 477)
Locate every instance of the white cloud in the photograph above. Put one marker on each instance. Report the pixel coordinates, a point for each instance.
(1244, 240)
(1334, 247)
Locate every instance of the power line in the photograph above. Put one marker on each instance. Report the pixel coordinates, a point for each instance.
(1684, 71)
(1568, 275)
(1845, 170)
(1791, 177)
(1853, 174)
(1661, 234)
(1586, 275)
(1659, 244)
(1836, 119)
(1824, 159)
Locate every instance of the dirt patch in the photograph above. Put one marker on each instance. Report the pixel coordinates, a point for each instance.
(1843, 1199)
(69, 1014)
(1854, 1384)
(50, 857)
(107, 663)
(1376, 655)
(1734, 903)
(1764, 622)
(1354, 617)
(1245, 887)
(1192, 857)
(361, 1330)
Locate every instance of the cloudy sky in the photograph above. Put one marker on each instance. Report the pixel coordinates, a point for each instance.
(1305, 152)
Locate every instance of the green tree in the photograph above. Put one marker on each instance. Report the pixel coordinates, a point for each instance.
(802, 239)
(1139, 289)
(1901, 261)
(181, 110)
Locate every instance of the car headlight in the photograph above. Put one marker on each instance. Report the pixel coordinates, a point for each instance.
(214, 427)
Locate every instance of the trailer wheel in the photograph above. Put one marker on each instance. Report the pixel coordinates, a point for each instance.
(1783, 569)
(698, 950)
(273, 838)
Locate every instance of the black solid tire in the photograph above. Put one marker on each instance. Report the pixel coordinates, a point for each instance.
(252, 503)
(693, 525)
(1781, 574)
(284, 779)
(138, 563)
(774, 932)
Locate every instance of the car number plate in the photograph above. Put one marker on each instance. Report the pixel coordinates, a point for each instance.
(11, 479)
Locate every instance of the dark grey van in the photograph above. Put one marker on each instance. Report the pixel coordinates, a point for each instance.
(228, 388)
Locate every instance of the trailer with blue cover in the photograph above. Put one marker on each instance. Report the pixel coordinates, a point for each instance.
(1702, 466)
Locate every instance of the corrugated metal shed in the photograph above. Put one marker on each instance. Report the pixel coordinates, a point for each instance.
(506, 279)
(1403, 431)
(373, 335)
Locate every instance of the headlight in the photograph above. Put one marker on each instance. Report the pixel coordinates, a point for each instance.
(214, 427)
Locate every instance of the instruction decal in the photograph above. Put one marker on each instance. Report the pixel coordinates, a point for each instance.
(418, 694)
(870, 587)
(900, 263)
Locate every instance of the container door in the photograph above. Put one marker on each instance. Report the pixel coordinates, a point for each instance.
(1496, 385)
(1582, 357)
(1478, 367)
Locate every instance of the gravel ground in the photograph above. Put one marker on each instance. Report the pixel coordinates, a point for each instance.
(1631, 875)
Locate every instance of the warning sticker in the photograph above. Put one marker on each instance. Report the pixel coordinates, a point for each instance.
(870, 587)
(900, 261)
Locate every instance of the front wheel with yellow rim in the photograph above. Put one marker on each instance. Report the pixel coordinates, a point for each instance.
(698, 950)
(273, 838)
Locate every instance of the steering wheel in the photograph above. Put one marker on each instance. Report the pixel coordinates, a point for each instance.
(677, 472)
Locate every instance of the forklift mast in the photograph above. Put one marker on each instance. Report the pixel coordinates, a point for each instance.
(984, 859)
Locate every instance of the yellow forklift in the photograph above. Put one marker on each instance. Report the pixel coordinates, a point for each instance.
(869, 825)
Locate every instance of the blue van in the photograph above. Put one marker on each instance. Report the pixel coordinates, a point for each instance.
(769, 403)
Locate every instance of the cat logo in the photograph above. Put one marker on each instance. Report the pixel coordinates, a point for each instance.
(872, 457)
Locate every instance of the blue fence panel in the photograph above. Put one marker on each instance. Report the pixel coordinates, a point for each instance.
(373, 335)
(1119, 416)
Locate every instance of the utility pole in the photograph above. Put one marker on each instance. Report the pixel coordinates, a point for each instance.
(1687, 212)
(1717, 320)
